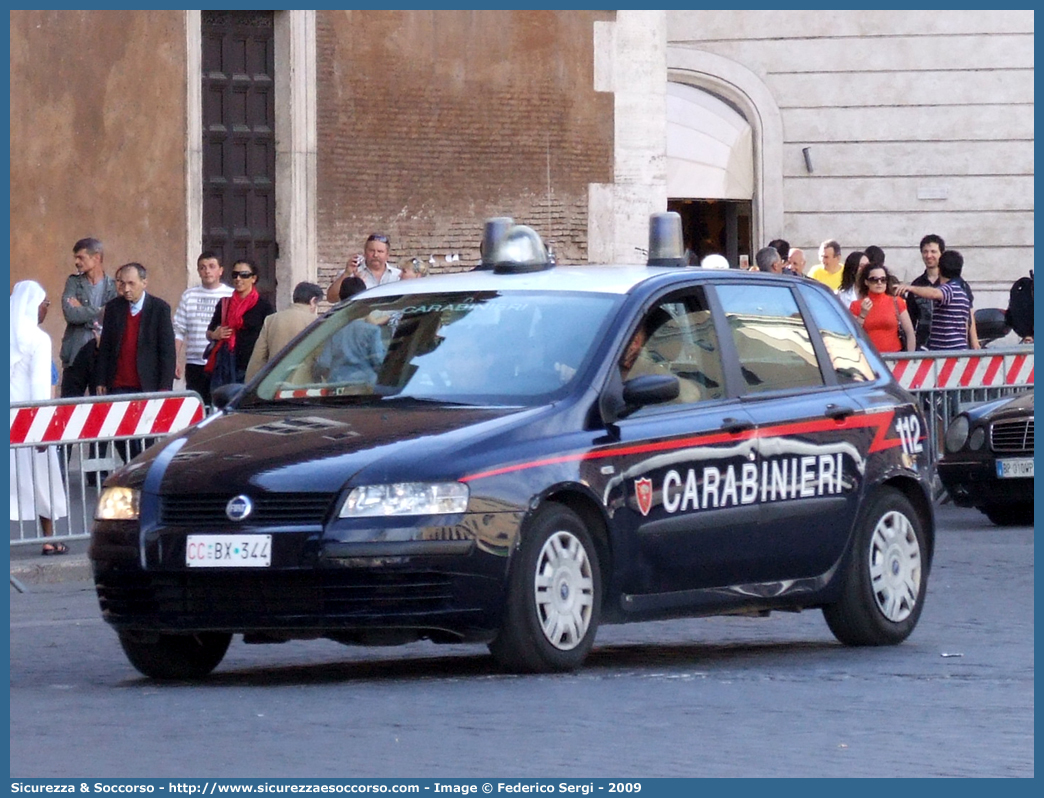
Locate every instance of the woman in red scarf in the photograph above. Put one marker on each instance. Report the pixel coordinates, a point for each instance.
(238, 319)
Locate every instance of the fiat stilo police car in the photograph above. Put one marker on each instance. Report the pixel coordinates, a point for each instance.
(518, 454)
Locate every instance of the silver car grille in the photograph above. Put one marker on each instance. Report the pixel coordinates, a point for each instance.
(1014, 436)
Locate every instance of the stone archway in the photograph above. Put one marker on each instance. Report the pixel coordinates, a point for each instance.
(709, 146)
(746, 92)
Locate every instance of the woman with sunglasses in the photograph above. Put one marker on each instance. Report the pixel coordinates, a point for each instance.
(238, 319)
(880, 313)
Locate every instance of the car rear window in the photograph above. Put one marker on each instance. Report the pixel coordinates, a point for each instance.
(774, 346)
(846, 355)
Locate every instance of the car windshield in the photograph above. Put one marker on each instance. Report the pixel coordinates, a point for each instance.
(514, 348)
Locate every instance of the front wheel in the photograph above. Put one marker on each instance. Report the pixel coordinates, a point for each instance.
(169, 657)
(886, 575)
(554, 596)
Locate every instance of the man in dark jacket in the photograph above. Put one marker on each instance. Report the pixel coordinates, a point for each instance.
(136, 353)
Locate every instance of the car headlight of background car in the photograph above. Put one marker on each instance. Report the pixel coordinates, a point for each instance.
(957, 434)
(960, 434)
(406, 498)
(118, 504)
(977, 438)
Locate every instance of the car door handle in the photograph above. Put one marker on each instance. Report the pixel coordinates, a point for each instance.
(736, 425)
(838, 412)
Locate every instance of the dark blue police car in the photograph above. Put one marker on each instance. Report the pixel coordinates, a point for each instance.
(516, 455)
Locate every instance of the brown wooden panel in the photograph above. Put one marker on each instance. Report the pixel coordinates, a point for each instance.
(239, 139)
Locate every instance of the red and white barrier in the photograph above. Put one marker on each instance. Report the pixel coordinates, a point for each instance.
(61, 422)
(984, 369)
(303, 393)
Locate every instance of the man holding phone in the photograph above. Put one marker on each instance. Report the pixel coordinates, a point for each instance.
(371, 267)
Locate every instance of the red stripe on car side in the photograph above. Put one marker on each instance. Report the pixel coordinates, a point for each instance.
(880, 420)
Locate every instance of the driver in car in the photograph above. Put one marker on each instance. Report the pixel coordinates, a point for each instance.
(639, 359)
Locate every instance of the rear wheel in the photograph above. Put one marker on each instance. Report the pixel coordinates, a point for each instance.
(1017, 514)
(554, 596)
(174, 657)
(886, 575)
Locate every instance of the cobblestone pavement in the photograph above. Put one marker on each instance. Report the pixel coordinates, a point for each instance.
(711, 697)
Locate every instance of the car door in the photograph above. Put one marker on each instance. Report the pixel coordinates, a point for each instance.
(680, 490)
(811, 449)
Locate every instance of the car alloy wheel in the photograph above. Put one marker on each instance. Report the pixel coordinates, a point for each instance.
(563, 588)
(895, 566)
(554, 595)
(885, 576)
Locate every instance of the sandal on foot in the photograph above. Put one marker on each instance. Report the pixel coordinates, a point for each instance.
(54, 548)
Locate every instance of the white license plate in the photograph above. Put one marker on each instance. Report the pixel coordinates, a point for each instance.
(228, 551)
(1015, 467)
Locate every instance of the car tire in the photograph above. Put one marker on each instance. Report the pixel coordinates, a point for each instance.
(1018, 514)
(175, 657)
(554, 596)
(885, 576)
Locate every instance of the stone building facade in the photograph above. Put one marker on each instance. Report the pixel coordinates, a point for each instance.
(914, 122)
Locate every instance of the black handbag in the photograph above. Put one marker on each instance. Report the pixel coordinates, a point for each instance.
(224, 370)
(899, 326)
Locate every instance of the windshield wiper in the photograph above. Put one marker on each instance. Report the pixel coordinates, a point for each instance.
(429, 400)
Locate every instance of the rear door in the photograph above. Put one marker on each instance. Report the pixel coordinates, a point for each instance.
(811, 442)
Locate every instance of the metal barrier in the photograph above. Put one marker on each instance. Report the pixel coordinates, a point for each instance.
(947, 382)
(61, 451)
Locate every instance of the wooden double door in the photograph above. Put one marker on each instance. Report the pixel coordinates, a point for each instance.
(239, 162)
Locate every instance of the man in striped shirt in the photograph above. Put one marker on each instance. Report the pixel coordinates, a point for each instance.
(951, 306)
(191, 320)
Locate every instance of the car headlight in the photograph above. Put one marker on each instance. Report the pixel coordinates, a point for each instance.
(977, 439)
(957, 434)
(406, 498)
(118, 504)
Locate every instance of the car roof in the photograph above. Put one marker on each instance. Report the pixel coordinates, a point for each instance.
(590, 279)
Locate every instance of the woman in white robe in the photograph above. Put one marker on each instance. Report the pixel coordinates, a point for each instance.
(37, 489)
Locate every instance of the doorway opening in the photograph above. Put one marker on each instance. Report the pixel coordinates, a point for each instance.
(715, 226)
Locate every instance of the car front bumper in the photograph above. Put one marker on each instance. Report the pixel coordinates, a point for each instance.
(976, 484)
(440, 582)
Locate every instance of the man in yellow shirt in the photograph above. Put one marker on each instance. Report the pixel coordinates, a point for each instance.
(828, 270)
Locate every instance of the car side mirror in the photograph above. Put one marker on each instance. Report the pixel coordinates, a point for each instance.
(225, 394)
(620, 399)
(649, 389)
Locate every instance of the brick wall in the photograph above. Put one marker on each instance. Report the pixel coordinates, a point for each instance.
(431, 121)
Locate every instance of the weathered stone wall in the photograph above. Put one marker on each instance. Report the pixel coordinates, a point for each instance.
(97, 145)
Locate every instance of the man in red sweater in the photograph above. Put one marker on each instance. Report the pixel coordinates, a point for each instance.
(136, 353)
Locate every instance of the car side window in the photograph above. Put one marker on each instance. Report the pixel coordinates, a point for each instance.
(846, 356)
(774, 346)
(679, 340)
